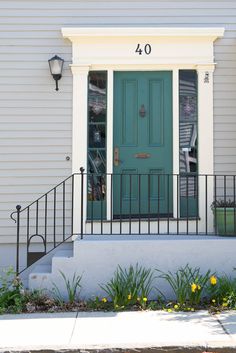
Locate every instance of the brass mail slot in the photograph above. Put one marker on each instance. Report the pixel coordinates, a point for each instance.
(142, 155)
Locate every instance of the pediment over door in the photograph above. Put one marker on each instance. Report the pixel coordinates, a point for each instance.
(135, 46)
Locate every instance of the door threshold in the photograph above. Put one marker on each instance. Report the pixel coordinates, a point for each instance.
(127, 220)
(143, 217)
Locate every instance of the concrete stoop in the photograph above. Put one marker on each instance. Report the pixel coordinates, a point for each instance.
(44, 264)
(96, 258)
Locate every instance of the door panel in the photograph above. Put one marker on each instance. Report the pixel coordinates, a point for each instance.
(129, 124)
(129, 185)
(156, 180)
(156, 117)
(143, 137)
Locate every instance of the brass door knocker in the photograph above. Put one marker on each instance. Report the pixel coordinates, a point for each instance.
(142, 111)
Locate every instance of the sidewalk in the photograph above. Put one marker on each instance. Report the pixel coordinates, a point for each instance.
(127, 330)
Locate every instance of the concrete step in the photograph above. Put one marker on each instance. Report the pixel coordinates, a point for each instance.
(63, 253)
(40, 275)
(42, 268)
(46, 268)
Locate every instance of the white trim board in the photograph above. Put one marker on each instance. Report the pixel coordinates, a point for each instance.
(78, 32)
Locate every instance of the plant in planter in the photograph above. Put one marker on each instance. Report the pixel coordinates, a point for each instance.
(225, 217)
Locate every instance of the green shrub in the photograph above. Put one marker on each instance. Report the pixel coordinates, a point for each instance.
(188, 284)
(11, 296)
(222, 291)
(129, 287)
(72, 288)
(99, 304)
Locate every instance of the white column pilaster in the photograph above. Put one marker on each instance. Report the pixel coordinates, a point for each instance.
(80, 116)
(205, 143)
(175, 127)
(109, 141)
(79, 140)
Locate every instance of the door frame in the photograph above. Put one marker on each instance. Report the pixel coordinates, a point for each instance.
(113, 49)
(110, 116)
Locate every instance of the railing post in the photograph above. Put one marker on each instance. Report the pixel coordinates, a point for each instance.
(18, 208)
(82, 203)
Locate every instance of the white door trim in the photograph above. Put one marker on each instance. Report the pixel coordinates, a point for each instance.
(113, 49)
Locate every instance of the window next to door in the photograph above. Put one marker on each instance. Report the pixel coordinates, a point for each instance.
(97, 116)
(188, 136)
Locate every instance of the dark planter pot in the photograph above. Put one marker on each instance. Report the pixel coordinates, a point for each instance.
(225, 220)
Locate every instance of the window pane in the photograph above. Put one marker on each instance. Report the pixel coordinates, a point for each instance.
(188, 145)
(97, 111)
(97, 136)
(188, 128)
(97, 97)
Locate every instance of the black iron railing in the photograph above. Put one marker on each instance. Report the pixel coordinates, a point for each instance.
(128, 203)
(159, 203)
(46, 223)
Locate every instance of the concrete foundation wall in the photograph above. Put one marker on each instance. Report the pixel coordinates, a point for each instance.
(7, 256)
(96, 259)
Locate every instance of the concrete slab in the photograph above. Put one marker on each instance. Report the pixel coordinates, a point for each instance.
(147, 329)
(127, 330)
(36, 331)
(228, 321)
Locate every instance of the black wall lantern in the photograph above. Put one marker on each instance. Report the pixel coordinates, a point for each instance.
(56, 65)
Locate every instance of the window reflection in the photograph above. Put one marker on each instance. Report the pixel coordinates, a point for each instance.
(97, 97)
(97, 136)
(188, 137)
(188, 128)
(97, 108)
(188, 147)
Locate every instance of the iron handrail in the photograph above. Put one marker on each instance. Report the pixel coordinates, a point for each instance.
(123, 210)
(35, 203)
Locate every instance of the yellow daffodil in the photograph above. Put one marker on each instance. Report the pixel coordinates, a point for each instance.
(169, 310)
(176, 306)
(225, 304)
(193, 287)
(189, 309)
(145, 299)
(104, 300)
(198, 287)
(213, 301)
(213, 280)
(117, 306)
(129, 297)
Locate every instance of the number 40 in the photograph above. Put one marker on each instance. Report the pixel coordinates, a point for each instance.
(147, 49)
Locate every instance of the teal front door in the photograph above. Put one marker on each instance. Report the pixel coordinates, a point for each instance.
(142, 184)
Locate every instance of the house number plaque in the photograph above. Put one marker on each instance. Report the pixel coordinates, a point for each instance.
(146, 49)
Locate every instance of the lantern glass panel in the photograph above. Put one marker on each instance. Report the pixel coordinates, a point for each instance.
(56, 67)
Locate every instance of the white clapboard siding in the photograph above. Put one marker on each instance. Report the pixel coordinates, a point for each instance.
(36, 121)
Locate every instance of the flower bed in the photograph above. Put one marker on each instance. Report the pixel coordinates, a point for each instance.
(128, 289)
